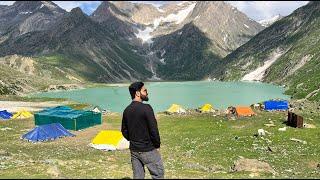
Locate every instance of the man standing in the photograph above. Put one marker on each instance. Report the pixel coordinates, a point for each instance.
(139, 126)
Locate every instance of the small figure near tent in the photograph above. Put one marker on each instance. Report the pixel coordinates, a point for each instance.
(257, 106)
(5, 115)
(110, 140)
(46, 132)
(22, 114)
(175, 108)
(231, 110)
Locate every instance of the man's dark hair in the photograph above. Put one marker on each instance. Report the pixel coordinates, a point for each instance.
(136, 86)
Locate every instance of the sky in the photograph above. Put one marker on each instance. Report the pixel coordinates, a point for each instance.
(257, 10)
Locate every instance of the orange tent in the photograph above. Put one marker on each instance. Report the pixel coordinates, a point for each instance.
(244, 111)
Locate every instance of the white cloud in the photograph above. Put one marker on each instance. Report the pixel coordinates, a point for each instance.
(259, 10)
(6, 2)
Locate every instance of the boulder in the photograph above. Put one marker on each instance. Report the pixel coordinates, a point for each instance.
(251, 165)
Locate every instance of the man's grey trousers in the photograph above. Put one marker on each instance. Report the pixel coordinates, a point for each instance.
(151, 159)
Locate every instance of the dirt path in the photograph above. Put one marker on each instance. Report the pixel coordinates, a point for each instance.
(14, 106)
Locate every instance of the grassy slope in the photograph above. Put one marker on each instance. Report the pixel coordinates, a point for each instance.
(300, 31)
(191, 146)
(309, 74)
(15, 79)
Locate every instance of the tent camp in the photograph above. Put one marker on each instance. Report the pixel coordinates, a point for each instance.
(175, 108)
(4, 115)
(96, 109)
(276, 105)
(244, 111)
(206, 108)
(69, 118)
(22, 114)
(257, 106)
(46, 132)
(110, 140)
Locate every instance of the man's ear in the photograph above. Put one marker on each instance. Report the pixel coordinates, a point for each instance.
(138, 93)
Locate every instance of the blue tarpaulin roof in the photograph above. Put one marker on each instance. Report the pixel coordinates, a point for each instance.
(47, 132)
(5, 114)
(276, 105)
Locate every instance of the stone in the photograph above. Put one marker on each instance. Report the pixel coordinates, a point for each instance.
(261, 132)
(251, 165)
(282, 129)
(53, 171)
(309, 126)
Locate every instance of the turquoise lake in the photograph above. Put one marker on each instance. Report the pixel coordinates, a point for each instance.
(191, 94)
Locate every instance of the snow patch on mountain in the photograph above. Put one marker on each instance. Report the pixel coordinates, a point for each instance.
(258, 74)
(268, 22)
(145, 35)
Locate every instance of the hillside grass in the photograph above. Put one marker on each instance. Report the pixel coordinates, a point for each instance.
(193, 146)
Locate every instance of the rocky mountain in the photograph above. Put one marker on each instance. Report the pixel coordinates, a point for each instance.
(211, 31)
(83, 45)
(28, 16)
(268, 22)
(227, 27)
(216, 29)
(124, 41)
(285, 53)
(24, 75)
(111, 18)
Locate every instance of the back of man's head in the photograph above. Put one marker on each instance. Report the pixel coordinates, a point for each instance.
(136, 86)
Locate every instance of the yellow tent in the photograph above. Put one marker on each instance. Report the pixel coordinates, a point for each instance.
(110, 140)
(22, 114)
(206, 108)
(175, 108)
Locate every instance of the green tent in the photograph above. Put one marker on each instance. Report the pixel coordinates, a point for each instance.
(69, 118)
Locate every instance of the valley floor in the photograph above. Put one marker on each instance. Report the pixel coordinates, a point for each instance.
(193, 146)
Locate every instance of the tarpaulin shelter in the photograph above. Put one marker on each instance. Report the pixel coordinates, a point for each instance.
(110, 140)
(276, 105)
(69, 118)
(5, 115)
(46, 132)
(244, 111)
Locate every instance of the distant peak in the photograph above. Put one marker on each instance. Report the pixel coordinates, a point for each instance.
(49, 4)
(76, 10)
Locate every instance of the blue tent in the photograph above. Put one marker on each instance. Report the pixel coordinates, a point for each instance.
(275, 105)
(47, 132)
(5, 114)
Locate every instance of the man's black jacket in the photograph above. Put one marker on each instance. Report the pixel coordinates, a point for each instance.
(139, 126)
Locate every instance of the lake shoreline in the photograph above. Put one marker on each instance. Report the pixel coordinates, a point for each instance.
(208, 86)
